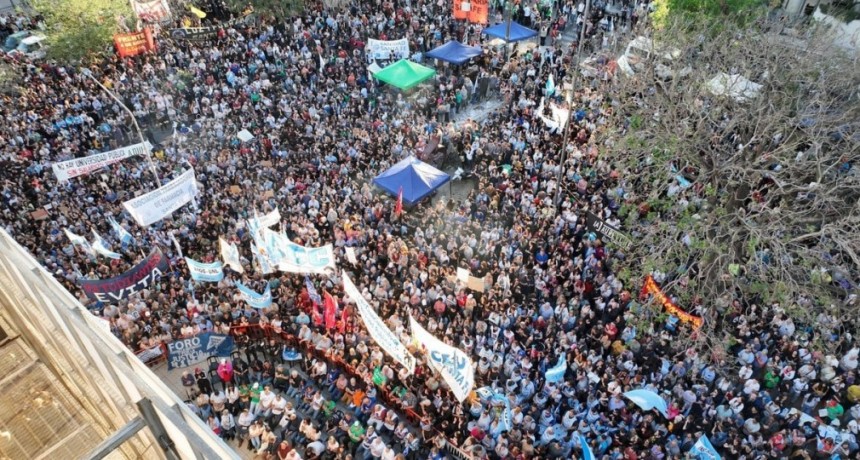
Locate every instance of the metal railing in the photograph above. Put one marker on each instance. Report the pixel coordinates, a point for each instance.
(96, 367)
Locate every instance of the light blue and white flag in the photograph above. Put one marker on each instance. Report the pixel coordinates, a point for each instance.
(121, 233)
(78, 240)
(556, 373)
(101, 247)
(495, 398)
(586, 449)
(230, 255)
(262, 259)
(704, 450)
(550, 86)
(213, 272)
(253, 299)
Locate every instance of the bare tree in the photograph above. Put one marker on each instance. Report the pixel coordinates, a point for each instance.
(738, 191)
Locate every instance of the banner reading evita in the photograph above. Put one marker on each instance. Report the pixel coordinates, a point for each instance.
(140, 277)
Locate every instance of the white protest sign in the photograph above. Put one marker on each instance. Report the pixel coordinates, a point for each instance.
(160, 203)
(382, 49)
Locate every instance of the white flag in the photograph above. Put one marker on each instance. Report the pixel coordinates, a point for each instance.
(452, 363)
(78, 240)
(377, 328)
(230, 255)
(101, 247)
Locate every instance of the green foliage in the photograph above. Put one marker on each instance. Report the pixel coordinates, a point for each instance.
(715, 12)
(80, 28)
(268, 8)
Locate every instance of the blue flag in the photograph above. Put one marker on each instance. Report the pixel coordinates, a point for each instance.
(121, 233)
(586, 449)
(556, 373)
(704, 450)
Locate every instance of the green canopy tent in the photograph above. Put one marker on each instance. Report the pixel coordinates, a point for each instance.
(404, 74)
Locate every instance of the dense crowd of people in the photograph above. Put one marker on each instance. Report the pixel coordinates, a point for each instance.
(323, 129)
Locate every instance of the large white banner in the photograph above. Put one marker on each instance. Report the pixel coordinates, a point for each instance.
(454, 365)
(377, 328)
(158, 204)
(65, 170)
(294, 258)
(382, 49)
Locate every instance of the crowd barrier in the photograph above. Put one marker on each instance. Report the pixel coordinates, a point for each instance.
(155, 355)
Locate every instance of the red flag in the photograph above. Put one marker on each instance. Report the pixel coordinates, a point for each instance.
(341, 327)
(398, 208)
(330, 310)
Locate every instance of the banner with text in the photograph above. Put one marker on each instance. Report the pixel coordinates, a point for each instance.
(140, 277)
(213, 272)
(454, 365)
(151, 10)
(607, 232)
(185, 352)
(383, 49)
(377, 328)
(151, 207)
(134, 43)
(65, 170)
(253, 299)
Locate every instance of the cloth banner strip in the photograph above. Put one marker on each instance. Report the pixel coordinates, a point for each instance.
(651, 287)
(65, 170)
(212, 272)
(454, 365)
(185, 352)
(377, 328)
(151, 207)
(253, 299)
(151, 10)
(140, 277)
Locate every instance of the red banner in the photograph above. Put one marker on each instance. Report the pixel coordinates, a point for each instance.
(651, 287)
(476, 11)
(134, 43)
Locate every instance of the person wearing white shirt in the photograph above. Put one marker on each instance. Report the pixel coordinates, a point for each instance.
(377, 448)
(267, 397)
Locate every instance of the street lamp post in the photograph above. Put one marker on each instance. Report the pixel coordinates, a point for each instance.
(566, 135)
(113, 96)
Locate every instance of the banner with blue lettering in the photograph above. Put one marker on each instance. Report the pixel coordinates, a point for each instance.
(253, 299)
(704, 450)
(556, 373)
(185, 352)
(454, 365)
(141, 276)
(213, 272)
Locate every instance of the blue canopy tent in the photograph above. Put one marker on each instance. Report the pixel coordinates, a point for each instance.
(454, 52)
(418, 179)
(518, 32)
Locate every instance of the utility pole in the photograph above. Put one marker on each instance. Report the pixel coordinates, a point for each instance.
(575, 71)
(113, 96)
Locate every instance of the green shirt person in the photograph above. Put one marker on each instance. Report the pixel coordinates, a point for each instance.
(255, 393)
(356, 432)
